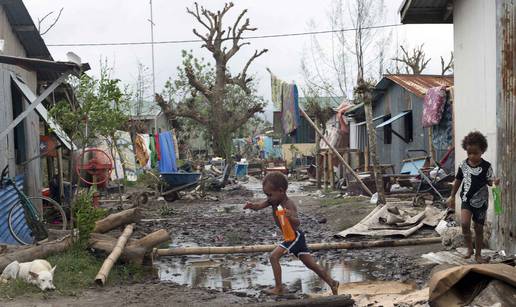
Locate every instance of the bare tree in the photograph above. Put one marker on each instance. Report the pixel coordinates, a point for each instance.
(415, 62)
(358, 52)
(40, 22)
(210, 105)
(447, 67)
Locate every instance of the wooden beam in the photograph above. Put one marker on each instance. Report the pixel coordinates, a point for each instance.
(33, 105)
(330, 146)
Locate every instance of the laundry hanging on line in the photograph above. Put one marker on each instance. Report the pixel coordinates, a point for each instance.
(286, 98)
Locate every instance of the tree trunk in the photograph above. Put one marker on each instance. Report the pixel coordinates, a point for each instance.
(115, 220)
(34, 252)
(103, 273)
(371, 132)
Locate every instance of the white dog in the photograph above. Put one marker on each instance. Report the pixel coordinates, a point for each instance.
(38, 272)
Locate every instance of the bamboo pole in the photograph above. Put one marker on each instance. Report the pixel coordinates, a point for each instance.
(330, 146)
(103, 273)
(268, 248)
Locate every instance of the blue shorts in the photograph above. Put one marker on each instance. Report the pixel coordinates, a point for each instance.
(298, 246)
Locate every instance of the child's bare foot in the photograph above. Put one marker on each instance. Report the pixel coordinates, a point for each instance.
(480, 259)
(468, 255)
(335, 288)
(274, 291)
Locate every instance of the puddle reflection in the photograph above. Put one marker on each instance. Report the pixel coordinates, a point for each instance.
(250, 276)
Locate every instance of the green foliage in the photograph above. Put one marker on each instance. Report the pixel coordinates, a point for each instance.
(100, 110)
(75, 271)
(85, 216)
(165, 211)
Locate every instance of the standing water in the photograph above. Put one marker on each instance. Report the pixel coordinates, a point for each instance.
(248, 275)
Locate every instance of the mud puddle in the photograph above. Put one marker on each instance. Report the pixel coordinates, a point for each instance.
(252, 275)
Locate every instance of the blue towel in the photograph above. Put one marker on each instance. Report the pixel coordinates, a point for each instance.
(167, 164)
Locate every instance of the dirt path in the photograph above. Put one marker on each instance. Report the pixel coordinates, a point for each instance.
(225, 280)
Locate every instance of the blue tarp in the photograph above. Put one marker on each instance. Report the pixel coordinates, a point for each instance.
(167, 164)
(8, 198)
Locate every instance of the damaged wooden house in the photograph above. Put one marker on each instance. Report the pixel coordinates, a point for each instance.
(29, 81)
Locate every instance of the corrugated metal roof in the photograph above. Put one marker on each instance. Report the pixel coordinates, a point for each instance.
(416, 84)
(8, 198)
(426, 11)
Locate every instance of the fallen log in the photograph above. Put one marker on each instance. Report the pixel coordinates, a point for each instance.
(325, 301)
(118, 219)
(103, 273)
(36, 252)
(268, 248)
(135, 250)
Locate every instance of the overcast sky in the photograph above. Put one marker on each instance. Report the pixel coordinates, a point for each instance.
(96, 21)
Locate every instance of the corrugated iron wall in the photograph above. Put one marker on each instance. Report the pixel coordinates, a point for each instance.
(505, 224)
(8, 198)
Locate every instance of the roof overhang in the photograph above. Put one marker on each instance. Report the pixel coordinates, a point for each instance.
(426, 11)
(48, 69)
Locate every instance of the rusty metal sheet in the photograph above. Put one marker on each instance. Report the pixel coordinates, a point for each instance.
(419, 84)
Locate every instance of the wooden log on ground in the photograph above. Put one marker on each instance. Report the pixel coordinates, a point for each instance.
(314, 247)
(135, 250)
(325, 301)
(103, 273)
(43, 250)
(115, 220)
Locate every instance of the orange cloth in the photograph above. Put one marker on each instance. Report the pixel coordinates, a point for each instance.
(142, 154)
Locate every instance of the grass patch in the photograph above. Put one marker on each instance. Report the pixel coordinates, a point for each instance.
(75, 272)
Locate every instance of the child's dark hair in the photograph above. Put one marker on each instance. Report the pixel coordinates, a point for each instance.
(475, 138)
(277, 180)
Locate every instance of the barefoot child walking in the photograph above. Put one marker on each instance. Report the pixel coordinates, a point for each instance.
(475, 174)
(275, 188)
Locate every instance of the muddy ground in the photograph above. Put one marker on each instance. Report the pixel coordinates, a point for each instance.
(219, 280)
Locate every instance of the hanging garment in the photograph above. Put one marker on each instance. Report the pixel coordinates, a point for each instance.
(433, 105)
(146, 139)
(156, 142)
(142, 154)
(167, 164)
(153, 155)
(442, 133)
(341, 110)
(176, 145)
(290, 117)
(276, 91)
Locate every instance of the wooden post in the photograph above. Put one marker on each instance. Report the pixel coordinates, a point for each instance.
(325, 170)
(330, 169)
(364, 94)
(330, 146)
(317, 161)
(60, 173)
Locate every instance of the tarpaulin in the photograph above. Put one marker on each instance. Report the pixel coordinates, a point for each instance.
(408, 220)
(167, 164)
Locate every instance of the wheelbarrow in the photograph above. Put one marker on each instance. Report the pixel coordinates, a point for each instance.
(176, 182)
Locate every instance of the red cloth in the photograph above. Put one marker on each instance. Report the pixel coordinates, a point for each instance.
(158, 151)
(433, 106)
